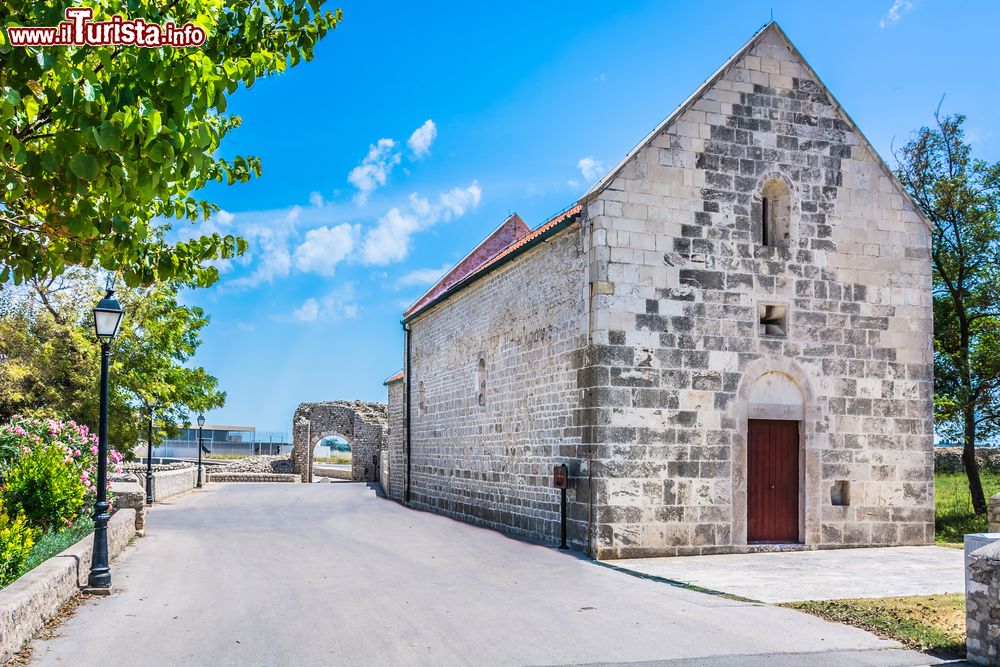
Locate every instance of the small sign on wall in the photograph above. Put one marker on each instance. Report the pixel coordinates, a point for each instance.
(560, 477)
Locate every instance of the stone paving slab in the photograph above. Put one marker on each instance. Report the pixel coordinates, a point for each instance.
(814, 575)
(298, 575)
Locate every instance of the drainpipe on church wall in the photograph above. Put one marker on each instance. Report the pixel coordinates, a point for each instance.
(408, 333)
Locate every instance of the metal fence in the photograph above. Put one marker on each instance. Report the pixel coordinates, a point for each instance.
(243, 441)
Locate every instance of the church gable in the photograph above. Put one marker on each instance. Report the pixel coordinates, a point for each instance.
(767, 99)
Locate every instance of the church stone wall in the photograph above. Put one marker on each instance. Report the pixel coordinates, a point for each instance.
(494, 397)
(678, 277)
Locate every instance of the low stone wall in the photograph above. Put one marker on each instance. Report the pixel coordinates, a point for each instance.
(130, 494)
(995, 514)
(27, 603)
(168, 483)
(332, 473)
(252, 477)
(982, 605)
(949, 459)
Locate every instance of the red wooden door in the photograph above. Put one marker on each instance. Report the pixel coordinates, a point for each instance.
(772, 481)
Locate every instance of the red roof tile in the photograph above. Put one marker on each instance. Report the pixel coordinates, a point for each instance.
(509, 231)
(486, 254)
(395, 378)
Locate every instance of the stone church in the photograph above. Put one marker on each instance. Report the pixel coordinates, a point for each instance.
(727, 339)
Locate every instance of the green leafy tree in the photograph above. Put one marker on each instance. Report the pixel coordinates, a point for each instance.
(98, 145)
(960, 195)
(49, 357)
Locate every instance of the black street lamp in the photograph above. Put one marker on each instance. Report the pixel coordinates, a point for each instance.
(149, 458)
(107, 318)
(201, 424)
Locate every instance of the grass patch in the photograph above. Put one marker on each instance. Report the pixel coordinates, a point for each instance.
(51, 543)
(930, 623)
(226, 457)
(953, 515)
(336, 457)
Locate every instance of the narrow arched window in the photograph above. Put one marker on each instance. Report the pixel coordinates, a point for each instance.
(481, 380)
(775, 214)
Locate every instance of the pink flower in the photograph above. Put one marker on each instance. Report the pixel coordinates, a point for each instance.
(93, 449)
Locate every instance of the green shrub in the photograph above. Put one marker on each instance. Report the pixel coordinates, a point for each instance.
(52, 542)
(42, 486)
(16, 541)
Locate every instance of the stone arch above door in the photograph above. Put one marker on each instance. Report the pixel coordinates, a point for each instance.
(362, 424)
(779, 388)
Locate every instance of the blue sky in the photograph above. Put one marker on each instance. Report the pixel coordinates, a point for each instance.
(419, 126)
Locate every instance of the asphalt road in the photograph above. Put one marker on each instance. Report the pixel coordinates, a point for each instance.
(328, 574)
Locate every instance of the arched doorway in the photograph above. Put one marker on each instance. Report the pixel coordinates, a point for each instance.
(773, 471)
(362, 426)
(776, 464)
(333, 449)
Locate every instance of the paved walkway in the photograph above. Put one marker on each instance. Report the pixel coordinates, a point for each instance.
(327, 574)
(815, 575)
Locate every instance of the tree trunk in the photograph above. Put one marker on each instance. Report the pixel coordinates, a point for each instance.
(971, 465)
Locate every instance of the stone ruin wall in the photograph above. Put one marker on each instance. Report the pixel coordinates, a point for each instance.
(362, 424)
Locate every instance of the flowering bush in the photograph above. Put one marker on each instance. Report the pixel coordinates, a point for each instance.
(48, 470)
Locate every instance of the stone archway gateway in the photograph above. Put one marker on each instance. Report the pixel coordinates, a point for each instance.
(363, 425)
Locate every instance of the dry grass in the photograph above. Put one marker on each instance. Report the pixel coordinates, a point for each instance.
(931, 623)
(336, 457)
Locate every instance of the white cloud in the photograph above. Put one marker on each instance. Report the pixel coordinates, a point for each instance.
(325, 247)
(316, 199)
(591, 168)
(389, 240)
(457, 201)
(334, 307)
(573, 183)
(421, 277)
(374, 169)
(308, 311)
(601, 78)
(224, 217)
(899, 7)
(269, 243)
(422, 138)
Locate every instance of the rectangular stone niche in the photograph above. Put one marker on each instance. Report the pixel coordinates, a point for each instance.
(840, 493)
(773, 319)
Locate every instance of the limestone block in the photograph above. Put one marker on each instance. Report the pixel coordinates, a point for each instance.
(982, 599)
(995, 514)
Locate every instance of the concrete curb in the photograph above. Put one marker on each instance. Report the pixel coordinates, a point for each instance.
(27, 603)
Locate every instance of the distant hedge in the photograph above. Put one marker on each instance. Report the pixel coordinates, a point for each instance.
(949, 459)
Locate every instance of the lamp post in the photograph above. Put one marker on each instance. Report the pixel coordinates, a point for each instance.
(149, 458)
(201, 425)
(107, 318)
